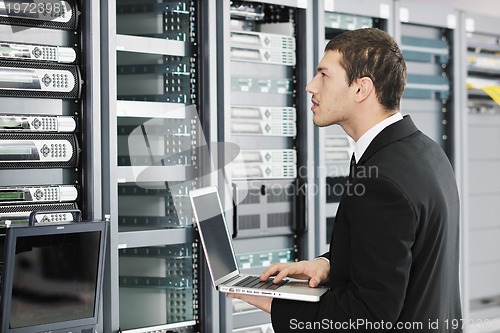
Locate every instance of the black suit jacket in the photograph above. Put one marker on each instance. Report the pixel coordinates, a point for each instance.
(395, 246)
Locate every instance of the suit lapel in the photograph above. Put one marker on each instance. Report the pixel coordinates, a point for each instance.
(394, 132)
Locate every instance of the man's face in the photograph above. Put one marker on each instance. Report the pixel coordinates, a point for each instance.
(332, 102)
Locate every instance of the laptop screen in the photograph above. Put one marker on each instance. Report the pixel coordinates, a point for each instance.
(214, 234)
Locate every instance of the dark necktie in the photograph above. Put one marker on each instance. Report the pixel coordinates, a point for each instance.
(352, 166)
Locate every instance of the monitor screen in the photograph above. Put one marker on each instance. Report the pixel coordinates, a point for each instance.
(52, 276)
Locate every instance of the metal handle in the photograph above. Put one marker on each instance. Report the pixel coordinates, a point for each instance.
(235, 211)
(32, 217)
(299, 203)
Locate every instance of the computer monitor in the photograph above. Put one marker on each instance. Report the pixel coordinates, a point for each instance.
(52, 278)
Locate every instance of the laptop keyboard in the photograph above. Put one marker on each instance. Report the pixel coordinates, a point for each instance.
(255, 283)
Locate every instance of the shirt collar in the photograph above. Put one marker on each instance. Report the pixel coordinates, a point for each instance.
(365, 140)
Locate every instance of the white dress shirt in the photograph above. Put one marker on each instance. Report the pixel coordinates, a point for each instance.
(365, 140)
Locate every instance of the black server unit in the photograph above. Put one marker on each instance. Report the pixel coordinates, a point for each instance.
(42, 65)
(46, 137)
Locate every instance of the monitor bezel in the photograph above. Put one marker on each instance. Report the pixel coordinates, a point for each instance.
(11, 236)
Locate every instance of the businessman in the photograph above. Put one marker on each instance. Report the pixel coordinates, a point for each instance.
(393, 264)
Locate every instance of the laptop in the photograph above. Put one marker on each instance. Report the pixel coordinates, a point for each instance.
(218, 249)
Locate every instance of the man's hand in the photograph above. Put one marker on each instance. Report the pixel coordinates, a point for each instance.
(262, 302)
(316, 271)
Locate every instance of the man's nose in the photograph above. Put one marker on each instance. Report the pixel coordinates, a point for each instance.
(311, 86)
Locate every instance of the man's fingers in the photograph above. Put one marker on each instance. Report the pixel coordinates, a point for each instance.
(314, 281)
(238, 296)
(262, 302)
(282, 270)
(315, 271)
(270, 271)
(281, 275)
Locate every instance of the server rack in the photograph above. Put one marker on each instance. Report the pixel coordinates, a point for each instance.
(155, 99)
(262, 111)
(481, 78)
(430, 38)
(47, 114)
(50, 112)
(427, 36)
(162, 242)
(333, 146)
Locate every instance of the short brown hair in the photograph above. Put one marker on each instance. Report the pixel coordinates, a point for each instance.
(373, 53)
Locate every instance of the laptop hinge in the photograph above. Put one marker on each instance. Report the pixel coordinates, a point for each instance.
(231, 279)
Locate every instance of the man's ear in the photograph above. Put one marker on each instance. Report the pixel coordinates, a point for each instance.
(364, 87)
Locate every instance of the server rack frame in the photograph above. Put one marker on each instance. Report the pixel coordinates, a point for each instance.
(112, 42)
(109, 150)
(209, 299)
(444, 17)
(305, 151)
(93, 201)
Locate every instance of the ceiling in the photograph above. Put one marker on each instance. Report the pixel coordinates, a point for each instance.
(484, 7)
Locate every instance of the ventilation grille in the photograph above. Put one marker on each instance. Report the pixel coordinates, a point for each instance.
(249, 222)
(283, 194)
(279, 220)
(253, 197)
